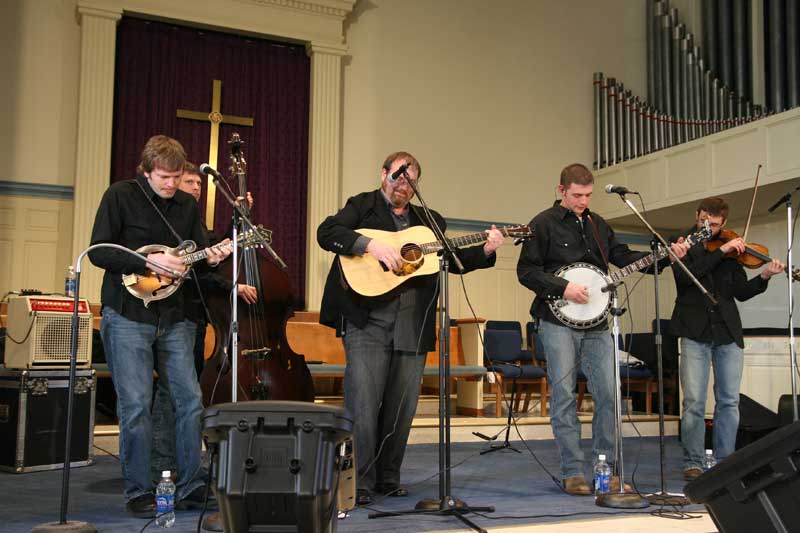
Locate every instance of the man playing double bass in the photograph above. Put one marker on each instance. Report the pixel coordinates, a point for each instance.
(712, 334)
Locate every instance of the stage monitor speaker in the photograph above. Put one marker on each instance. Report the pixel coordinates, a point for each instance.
(41, 327)
(756, 488)
(755, 421)
(785, 410)
(277, 464)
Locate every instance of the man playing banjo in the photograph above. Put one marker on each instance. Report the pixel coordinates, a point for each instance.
(569, 233)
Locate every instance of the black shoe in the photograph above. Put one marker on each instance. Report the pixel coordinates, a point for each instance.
(395, 491)
(363, 497)
(143, 506)
(196, 499)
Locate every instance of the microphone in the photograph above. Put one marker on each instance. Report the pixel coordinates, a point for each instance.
(618, 189)
(397, 173)
(207, 170)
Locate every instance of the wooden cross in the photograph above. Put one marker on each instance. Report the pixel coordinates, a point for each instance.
(215, 117)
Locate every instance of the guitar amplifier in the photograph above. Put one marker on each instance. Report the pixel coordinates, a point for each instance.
(39, 332)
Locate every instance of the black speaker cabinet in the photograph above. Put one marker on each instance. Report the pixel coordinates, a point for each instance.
(277, 464)
(756, 488)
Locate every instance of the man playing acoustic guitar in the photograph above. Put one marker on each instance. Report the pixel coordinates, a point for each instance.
(386, 337)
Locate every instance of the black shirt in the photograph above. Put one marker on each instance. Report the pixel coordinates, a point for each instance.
(694, 316)
(127, 218)
(561, 238)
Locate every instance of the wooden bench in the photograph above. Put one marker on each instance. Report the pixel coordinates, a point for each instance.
(325, 356)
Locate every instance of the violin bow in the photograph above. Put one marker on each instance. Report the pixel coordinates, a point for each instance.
(752, 204)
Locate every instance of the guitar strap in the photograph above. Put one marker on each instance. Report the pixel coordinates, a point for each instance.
(180, 240)
(596, 236)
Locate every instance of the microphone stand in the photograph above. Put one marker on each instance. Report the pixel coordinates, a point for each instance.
(787, 200)
(446, 504)
(239, 216)
(618, 500)
(63, 525)
(663, 497)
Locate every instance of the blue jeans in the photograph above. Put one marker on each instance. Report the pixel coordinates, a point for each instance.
(129, 350)
(566, 348)
(162, 456)
(696, 360)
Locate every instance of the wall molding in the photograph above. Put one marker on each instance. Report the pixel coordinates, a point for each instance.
(38, 190)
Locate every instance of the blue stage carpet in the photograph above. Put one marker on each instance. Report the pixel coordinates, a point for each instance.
(511, 482)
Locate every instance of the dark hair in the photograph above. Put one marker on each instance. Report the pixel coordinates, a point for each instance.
(191, 168)
(576, 173)
(162, 152)
(412, 161)
(714, 206)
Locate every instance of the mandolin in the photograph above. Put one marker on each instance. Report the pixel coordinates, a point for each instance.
(369, 277)
(152, 286)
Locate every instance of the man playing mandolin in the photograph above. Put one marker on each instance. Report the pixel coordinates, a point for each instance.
(386, 337)
(712, 334)
(133, 213)
(569, 233)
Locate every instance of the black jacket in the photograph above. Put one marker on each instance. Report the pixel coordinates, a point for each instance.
(337, 234)
(726, 280)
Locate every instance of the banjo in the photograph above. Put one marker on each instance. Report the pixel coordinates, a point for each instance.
(598, 283)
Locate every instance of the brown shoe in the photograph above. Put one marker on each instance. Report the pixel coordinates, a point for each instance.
(576, 486)
(692, 473)
(212, 522)
(613, 485)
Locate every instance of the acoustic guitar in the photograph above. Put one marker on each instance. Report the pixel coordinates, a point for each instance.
(369, 277)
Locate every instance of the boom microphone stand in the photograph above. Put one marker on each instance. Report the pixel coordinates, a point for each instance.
(662, 497)
(78, 526)
(787, 200)
(446, 504)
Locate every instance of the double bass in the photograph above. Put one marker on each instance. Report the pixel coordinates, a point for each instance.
(268, 369)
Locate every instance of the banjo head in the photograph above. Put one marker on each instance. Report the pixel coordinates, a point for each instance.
(592, 313)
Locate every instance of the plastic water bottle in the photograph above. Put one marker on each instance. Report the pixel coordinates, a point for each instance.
(709, 462)
(69, 281)
(165, 501)
(602, 476)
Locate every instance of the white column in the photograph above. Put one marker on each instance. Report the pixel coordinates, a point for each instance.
(324, 152)
(95, 116)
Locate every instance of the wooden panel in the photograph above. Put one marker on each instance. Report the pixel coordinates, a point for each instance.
(736, 155)
(5, 263)
(783, 155)
(687, 172)
(41, 219)
(38, 261)
(6, 218)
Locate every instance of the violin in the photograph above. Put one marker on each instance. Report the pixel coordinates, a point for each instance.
(754, 256)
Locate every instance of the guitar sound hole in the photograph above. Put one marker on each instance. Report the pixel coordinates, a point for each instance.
(412, 259)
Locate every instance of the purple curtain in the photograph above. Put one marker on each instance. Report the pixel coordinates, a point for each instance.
(164, 67)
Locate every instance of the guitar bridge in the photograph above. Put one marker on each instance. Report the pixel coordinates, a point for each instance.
(258, 354)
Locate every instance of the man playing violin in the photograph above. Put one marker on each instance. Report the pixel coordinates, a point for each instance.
(712, 334)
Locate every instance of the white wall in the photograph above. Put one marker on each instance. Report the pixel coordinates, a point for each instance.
(494, 98)
(39, 60)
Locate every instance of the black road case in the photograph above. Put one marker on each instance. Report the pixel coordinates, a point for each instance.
(33, 417)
